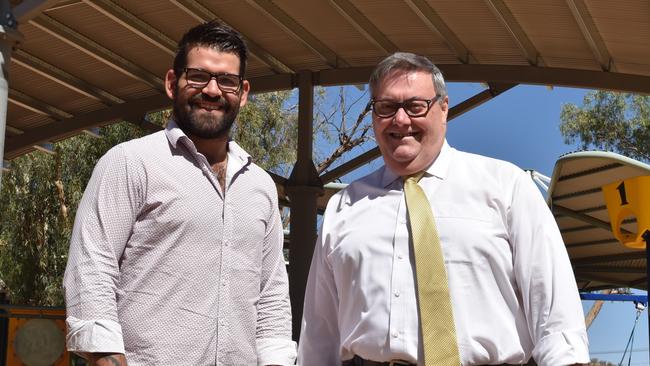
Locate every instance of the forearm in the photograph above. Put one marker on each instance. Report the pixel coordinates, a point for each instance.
(107, 359)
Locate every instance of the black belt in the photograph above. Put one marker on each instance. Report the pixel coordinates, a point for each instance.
(358, 361)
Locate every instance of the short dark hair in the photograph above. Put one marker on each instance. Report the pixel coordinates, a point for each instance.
(405, 61)
(214, 35)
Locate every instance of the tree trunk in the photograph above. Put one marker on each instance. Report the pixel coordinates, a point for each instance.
(595, 309)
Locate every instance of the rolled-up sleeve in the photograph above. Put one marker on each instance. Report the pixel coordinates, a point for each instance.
(273, 336)
(544, 275)
(103, 224)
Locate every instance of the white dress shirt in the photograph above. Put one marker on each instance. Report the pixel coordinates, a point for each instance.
(512, 288)
(165, 267)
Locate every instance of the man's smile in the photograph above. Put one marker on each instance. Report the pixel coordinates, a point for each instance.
(398, 135)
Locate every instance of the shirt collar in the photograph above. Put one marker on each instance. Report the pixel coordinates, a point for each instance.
(237, 157)
(174, 133)
(438, 168)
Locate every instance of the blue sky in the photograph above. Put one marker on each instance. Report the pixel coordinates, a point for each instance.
(522, 126)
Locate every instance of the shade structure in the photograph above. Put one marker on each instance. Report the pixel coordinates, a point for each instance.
(87, 63)
(576, 198)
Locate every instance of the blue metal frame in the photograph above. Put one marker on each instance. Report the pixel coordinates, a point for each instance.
(615, 297)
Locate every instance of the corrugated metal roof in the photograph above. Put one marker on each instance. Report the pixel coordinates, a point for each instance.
(123, 48)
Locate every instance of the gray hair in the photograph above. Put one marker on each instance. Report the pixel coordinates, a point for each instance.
(405, 61)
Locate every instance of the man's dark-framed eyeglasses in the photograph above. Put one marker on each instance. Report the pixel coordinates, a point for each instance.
(413, 107)
(197, 78)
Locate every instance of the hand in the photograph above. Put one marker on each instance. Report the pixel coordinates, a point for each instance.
(107, 359)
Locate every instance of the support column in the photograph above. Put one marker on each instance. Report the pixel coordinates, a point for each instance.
(8, 38)
(303, 188)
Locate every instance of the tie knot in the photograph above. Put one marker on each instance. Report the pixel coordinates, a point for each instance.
(413, 177)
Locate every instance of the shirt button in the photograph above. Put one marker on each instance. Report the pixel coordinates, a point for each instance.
(395, 334)
(396, 293)
(400, 256)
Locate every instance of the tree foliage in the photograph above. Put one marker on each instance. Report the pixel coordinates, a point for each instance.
(38, 201)
(609, 121)
(266, 129)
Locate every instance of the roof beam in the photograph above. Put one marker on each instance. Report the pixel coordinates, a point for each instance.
(12, 131)
(29, 9)
(590, 32)
(28, 102)
(93, 49)
(589, 171)
(639, 282)
(131, 111)
(610, 269)
(548, 76)
(592, 277)
(202, 14)
(587, 79)
(561, 210)
(298, 32)
(640, 254)
(40, 67)
(470, 103)
(503, 13)
(438, 26)
(591, 243)
(454, 112)
(364, 25)
(134, 24)
(44, 146)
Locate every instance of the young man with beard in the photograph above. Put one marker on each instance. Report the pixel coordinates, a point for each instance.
(176, 253)
(494, 286)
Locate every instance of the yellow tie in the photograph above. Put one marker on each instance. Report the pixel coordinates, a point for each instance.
(436, 317)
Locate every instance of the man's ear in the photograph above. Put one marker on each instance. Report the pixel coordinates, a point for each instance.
(444, 107)
(245, 88)
(444, 104)
(170, 83)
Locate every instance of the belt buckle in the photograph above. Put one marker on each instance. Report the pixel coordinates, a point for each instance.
(398, 363)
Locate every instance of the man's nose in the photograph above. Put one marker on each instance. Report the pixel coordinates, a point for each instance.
(401, 118)
(212, 88)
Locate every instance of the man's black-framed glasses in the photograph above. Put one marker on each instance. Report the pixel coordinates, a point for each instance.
(198, 79)
(413, 107)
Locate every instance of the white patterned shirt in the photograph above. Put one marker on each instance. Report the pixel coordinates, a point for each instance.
(512, 289)
(166, 270)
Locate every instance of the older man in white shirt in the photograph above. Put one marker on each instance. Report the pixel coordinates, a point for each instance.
(511, 286)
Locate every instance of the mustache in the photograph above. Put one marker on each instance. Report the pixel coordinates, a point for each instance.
(210, 99)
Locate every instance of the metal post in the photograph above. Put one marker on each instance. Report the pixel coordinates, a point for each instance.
(646, 238)
(303, 188)
(8, 38)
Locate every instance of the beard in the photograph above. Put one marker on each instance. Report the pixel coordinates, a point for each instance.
(195, 121)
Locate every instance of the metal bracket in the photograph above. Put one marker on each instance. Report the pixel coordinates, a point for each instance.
(7, 18)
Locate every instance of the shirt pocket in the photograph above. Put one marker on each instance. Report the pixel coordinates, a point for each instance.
(471, 235)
